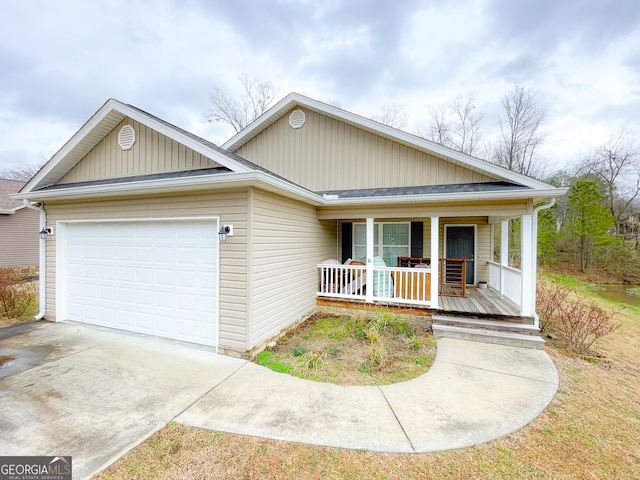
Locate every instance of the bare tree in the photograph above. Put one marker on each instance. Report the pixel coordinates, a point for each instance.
(616, 166)
(520, 133)
(393, 115)
(22, 172)
(456, 124)
(240, 112)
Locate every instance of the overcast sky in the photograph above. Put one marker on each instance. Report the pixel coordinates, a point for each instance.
(61, 60)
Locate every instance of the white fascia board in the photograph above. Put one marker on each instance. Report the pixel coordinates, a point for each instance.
(141, 187)
(447, 197)
(420, 143)
(257, 178)
(260, 123)
(96, 118)
(7, 211)
(126, 111)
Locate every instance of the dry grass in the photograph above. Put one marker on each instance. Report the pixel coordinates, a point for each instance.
(590, 431)
(354, 351)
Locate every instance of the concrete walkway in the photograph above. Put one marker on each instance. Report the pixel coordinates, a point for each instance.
(93, 394)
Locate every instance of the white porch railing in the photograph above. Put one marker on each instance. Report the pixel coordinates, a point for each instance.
(506, 280)
(410, 286)
(342, 281)
(494, 275)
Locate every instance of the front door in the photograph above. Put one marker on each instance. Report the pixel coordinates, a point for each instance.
(461, 243)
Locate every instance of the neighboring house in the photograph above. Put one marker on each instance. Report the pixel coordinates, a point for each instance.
(630, 226)
(18, 229)
(136, 205)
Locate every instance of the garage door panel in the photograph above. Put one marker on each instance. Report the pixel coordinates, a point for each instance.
(144, 254)
(158, 278)
(108, 294)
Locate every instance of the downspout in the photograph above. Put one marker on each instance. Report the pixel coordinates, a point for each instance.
(43, 246)
(545, 206)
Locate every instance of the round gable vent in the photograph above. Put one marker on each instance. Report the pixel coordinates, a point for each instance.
(297, 119)
(126, 137)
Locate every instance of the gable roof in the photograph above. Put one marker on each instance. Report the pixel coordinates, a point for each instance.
(236, 171)
(8, 205)
(105, 120)
(293, 100)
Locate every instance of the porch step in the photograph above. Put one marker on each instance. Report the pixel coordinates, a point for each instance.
(503, 333)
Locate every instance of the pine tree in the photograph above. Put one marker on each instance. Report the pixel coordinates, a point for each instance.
(589, 218)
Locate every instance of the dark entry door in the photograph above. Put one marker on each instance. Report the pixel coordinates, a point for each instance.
(461, 244)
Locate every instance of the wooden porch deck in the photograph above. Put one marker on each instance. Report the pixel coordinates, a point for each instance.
(484, 301)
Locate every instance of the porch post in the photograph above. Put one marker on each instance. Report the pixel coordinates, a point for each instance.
(526, 265)
(370, 243)
(504, 251)
(435, 263)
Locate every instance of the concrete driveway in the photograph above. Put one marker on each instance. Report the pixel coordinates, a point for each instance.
(94, 394)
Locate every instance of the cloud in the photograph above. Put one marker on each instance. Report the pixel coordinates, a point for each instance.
(165, 56)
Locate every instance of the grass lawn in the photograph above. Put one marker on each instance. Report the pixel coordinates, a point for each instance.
(590, 431)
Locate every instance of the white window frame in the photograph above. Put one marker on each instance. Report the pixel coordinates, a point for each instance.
(379, 241)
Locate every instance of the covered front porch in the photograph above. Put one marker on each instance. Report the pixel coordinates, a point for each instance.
(476, 285)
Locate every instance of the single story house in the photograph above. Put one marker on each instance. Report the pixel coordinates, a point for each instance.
(18, 228)
(314, 203)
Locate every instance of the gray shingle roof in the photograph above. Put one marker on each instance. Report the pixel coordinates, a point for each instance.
(426, 190)
(7, 187)
(139, 178)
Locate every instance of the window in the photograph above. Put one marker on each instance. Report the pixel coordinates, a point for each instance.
(391, 240)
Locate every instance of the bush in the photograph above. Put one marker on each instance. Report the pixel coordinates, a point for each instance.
(549, 299)
(16, 296)
(576, 322)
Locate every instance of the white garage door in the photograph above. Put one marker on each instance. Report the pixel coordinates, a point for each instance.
(158, 278)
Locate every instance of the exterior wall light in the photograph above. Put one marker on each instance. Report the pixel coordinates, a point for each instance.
(225, 231)
(45, 232)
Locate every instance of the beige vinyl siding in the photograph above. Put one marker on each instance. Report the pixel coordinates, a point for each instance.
(288, 243)
(152, 153)
(230, 206)
(326, 154)
(19, 239)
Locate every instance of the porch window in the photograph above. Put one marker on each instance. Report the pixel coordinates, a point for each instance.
(391, 240)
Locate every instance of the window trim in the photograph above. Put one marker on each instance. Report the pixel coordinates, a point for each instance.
(380, 240)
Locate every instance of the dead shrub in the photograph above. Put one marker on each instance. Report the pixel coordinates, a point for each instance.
(579, 325)
(576, 322)
(16, 297)
(549, 300)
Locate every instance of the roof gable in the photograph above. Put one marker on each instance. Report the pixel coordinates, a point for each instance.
(330, 154)
(103, 122)
(151, 153)
(431, 151)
